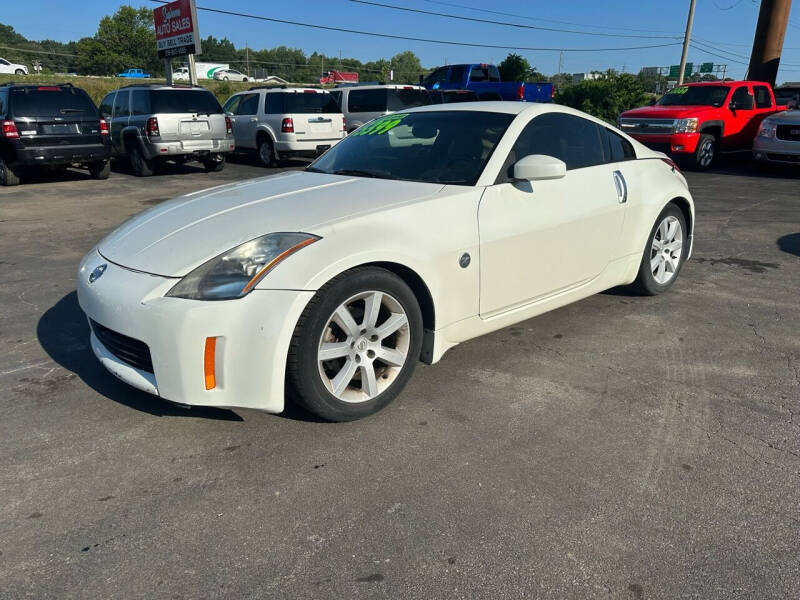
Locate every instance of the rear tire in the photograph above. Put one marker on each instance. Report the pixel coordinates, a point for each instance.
(214, 165)
(266, 152)
(140, 166)
(371, 355)
(100, 169)
(7, 175)
(664, 253)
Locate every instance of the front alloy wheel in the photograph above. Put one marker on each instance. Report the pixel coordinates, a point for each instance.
(664, 254)
(355, 345)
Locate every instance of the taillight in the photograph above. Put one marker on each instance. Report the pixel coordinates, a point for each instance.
(10, 130)
(672, 164)
(344, 123)
(521, 92)
(103, 127)
(228, 126)
(287, 125)
(152, 127)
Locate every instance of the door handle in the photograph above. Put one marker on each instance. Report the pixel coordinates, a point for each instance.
(622, 187)
(254, 120)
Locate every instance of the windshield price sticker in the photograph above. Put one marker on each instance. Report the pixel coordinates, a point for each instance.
(679, 90)
(381, 125)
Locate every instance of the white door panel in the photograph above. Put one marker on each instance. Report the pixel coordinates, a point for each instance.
(539, 238)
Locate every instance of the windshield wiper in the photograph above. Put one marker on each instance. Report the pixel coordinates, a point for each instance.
(360, 173)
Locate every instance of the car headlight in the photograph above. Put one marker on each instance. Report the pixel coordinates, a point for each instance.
(235, 273)
(767, 130)
(685, 126)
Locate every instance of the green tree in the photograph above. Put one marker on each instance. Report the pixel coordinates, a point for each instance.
(125, 39)
(514, 68)
(406, 67)
(605, 97)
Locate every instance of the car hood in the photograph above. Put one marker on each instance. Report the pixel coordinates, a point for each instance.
(667, 112)
(179, 235)
(788, 117)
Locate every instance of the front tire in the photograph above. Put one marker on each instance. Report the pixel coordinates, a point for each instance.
(19, 72)
(355, 346)
(706, 152)
(8, 176)
(664, 253)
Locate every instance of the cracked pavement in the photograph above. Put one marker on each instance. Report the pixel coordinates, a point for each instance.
(619, 447)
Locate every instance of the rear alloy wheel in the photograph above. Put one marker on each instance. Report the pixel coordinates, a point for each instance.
(7, 176)
(100, 169)
(356, 345)
(140, 166)
(214, 163)
(706, 152)
(665, 252)
(266, 152)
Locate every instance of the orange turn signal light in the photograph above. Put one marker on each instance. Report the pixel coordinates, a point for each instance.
(209, 366)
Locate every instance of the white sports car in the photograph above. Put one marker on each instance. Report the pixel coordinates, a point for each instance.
(420, 230)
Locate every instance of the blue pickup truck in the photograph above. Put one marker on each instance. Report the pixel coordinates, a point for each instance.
(134, 74)
(484, 80)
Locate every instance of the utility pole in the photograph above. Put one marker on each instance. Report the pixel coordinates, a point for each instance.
(686, 39)
(765, 59)
(192, 71)
(247, 58)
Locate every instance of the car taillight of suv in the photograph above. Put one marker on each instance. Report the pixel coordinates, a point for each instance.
(287, 125)
(103, 127)
(151, 129)
(10, 130)
(228, 126)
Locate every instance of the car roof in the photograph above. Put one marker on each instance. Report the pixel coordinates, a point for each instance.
(382, 86)
(726, 83)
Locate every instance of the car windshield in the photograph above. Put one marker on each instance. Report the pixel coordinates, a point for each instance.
(311, 102)
(184, 101)
(695, 95)
(448, 147)
(48, 101)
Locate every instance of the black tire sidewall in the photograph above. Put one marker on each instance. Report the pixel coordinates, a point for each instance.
(100, 170)
(303, 372)
(645, 280)
(704, 138)
(8, 177)
(272, 162)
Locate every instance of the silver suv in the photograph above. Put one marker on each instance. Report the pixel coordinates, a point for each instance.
(283, 122)
(151, 124)
(362, 103)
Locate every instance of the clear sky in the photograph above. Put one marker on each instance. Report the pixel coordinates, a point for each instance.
(725, 26)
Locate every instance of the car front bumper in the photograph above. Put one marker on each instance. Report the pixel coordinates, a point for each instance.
(775, 150)
(189, 148)
(253, 335)
(673, 143)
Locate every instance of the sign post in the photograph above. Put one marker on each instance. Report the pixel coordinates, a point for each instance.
(177, 34)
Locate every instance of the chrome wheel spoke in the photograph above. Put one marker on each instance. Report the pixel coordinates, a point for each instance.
(332, 350)
(344, 377)
(391, 357)
(345, 320)
(654, 262)
(674, 246)
(391, 325)
(369, 383)
(372, 306)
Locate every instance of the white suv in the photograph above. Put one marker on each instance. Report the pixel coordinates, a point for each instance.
(362, 103)
(14, 69)
(282, 122)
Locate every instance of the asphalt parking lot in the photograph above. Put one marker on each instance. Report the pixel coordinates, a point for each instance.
(620, 447)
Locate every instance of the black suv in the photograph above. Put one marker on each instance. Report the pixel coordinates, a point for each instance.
(52, 126)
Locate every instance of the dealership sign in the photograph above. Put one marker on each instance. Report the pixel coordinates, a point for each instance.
(176, 29)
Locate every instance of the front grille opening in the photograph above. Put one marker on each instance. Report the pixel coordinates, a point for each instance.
(129, 350)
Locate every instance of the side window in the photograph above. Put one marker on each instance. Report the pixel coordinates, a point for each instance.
(438, 76)
(248, 105)
(367, 101)
(574, 140)
(742, 98)
(762, 97)
(337, 96)
(121, 104)
(140, 102)
(2, 104)
(479, 74)
(3, 61)
(458, 74)
(618, 148)
(107, 104)
(274, 104)
(494, 73)
(232, 104)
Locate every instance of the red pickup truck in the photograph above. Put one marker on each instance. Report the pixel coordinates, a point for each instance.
(696, 121)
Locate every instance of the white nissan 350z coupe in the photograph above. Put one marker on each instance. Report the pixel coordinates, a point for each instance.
(420, 230)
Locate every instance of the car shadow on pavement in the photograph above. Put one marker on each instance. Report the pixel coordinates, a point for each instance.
(44, 175)
(64, 334)
(790, 243)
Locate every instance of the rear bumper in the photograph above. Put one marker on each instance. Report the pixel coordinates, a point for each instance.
(673, 143)
(310, 147)
(60, 155)
(197, 148)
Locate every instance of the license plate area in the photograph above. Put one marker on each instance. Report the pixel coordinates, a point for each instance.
(60, 128)
(194, 127)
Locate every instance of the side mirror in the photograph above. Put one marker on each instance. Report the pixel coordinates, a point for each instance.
(539, 167)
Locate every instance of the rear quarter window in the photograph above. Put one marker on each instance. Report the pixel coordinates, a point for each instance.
(403, 99)
(48, 101)
(302, 103)
(367, 101)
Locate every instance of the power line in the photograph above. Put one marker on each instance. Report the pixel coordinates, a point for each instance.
(529, 18)
(416, 39)
(506, 24)
(38, 51)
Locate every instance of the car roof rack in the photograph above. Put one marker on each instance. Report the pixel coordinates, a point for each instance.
(34, 84)
(160, 85)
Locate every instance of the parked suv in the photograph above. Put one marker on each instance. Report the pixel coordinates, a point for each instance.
(360, 104)
(151, 124)
(282, 122)
(694, 122)
(53, 126)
